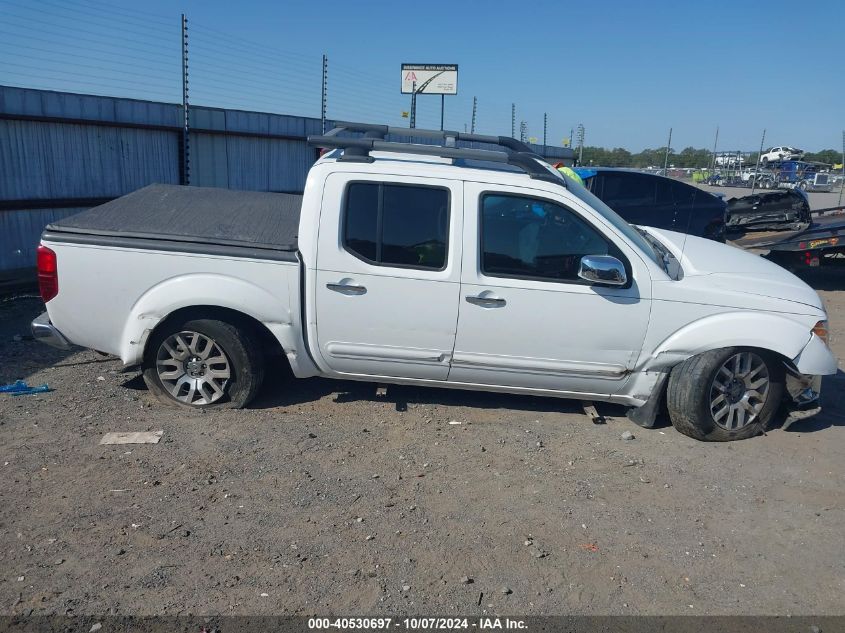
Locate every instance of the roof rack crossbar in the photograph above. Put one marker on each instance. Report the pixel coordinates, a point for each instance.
(383, 130)
(358, 149)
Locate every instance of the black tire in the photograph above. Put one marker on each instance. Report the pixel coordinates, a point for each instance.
(688, 395)
(765, 161)
(245, 363)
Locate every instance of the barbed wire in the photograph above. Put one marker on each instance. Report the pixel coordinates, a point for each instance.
(96, 47)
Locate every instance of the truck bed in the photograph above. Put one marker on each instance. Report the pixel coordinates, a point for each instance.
(191, 219)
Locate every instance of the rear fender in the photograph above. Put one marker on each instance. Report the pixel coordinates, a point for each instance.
(185, 291)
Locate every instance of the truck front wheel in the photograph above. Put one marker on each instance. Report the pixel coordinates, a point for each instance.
(725, 394)
(203, 363)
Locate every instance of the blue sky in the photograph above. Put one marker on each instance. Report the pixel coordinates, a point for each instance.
(627, 70)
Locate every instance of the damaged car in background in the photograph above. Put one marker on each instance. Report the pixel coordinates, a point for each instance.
(658, 201)
(782, 209)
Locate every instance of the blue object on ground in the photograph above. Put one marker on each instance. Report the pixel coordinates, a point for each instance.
(20, 388)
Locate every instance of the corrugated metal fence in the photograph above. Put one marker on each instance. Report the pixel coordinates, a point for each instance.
(61, 153)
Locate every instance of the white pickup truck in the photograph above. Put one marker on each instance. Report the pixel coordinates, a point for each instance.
(433, 265)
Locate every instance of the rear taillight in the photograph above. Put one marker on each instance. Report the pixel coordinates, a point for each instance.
(48, 273)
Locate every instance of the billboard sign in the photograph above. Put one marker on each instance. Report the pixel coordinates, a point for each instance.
(430, 79)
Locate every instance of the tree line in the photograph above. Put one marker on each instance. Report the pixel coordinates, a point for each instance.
(689, 157)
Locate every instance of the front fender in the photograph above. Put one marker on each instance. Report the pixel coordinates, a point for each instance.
(730, 329)
(185, 291)
(816, 359)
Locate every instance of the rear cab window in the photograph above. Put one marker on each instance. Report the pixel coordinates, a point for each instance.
(403, 226)
(626, 189)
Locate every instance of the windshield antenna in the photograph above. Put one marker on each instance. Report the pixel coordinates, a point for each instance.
(686, 231)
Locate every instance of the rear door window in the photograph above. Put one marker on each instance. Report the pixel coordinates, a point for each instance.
(404, 226)
(663, 193)
(628, 190)
(683, 194)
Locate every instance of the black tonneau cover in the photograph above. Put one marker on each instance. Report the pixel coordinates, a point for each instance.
(193, 217)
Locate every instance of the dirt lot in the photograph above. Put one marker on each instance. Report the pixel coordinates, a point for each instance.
(324, 498)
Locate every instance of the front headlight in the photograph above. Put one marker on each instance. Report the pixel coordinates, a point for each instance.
(820, 330)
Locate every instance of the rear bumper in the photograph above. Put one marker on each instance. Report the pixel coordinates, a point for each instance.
(46, 332)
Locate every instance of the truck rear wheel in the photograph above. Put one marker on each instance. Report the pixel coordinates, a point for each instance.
(725, 394)
(203, 363)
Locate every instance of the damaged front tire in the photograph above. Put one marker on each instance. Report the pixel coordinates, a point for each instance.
(725, 394)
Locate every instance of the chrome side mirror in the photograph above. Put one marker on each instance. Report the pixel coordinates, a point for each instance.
(602, 269)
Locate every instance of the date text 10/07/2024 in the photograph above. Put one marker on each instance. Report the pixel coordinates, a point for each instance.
(413, 624)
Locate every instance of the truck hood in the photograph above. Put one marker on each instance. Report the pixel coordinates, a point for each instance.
(725, 275)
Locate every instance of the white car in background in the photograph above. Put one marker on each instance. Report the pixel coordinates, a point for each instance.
(730, 160)
(775, 154)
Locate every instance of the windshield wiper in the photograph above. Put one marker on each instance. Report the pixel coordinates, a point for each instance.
(663, 255)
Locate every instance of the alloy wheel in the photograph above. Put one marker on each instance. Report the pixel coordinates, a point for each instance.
(739, 391)
(193, 368)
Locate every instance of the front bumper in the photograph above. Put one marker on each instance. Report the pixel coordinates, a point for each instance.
(46, 332)
(804, 379)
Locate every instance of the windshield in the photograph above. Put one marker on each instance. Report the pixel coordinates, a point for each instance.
(584, 195)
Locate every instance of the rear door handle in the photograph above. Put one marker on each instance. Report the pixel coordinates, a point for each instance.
(486, 302)
(347, 289)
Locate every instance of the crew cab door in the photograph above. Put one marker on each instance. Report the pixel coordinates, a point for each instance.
(526, 319)
(387, 280)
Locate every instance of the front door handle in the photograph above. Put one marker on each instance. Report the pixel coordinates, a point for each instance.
(486, 302)
(347, 289)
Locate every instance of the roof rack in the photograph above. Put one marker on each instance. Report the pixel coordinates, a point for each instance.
(358, 149)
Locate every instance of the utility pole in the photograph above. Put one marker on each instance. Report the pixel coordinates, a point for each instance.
(757, 166)
(325, 87)
(545, 130)
(581, 134)
(474, 105)
(513, 120)
(668, 149)
(186, 161)
(523, 131)
(842, 182)
(713, 162)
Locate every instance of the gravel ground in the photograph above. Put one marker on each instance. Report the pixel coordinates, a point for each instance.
(324, 498)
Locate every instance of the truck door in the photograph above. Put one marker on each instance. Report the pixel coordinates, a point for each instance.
(526, 319)
(388, 275)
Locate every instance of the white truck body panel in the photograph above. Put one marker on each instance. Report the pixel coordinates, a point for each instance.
(569, 337)
(404, 323)
(120, 310)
